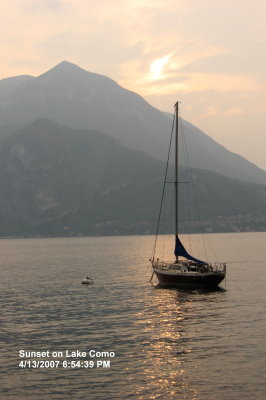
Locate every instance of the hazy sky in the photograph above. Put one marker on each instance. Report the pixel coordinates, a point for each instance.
(209, 54)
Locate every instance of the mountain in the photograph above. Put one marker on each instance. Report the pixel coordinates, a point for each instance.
(7, 85)
(71, 96)
(56, 180)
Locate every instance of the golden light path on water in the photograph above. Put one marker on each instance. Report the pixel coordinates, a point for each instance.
(168, 344)
(165, 325)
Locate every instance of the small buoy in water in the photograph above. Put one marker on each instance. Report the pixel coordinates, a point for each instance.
(87, 281)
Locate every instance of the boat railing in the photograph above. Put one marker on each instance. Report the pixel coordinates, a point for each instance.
(218, 267)
(161, 264)
(214, 267)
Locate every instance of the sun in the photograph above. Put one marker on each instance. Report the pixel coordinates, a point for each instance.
(157, 66)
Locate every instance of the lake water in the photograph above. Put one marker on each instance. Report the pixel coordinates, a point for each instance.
(168, 344)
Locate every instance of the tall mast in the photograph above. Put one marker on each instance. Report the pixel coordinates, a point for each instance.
(176, 170)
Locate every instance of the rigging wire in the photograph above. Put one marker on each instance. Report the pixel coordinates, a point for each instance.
(191, 179)
(163, 191)
(189, 168)
(187, 192)
(190, 174)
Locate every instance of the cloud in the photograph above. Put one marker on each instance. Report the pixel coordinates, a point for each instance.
(37, 6)
(214, 110)
(234, 111)
(209, 54)
(198, 82)
(164, 75)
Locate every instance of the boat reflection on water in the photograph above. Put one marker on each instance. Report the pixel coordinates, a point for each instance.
(192, 291)
(170, 332)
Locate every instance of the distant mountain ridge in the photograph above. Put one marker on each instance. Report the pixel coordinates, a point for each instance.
(60, 181)
(71, 96)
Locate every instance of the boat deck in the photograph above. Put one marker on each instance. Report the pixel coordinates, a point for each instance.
(188, 267)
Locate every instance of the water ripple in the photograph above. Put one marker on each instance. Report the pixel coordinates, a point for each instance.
(169, 344)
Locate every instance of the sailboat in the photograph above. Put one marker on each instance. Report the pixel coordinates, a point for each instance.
(185, 270)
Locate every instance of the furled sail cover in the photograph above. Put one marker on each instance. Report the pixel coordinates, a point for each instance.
(181, 251)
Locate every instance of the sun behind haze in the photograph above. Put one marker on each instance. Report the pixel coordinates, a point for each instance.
(208, 54)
